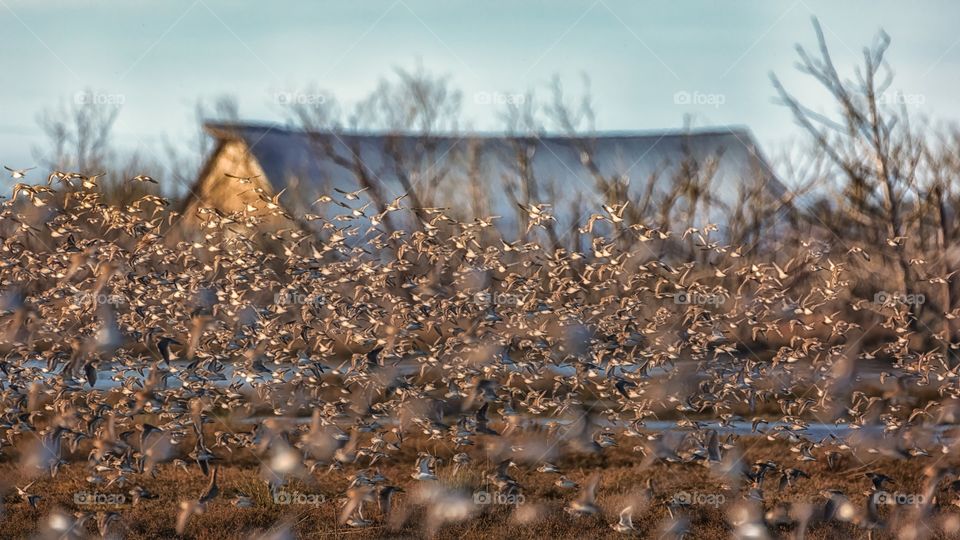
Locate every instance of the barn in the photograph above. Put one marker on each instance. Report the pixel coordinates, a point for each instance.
(671, 178)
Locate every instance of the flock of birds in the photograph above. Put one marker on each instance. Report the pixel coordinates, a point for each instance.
(357, 347)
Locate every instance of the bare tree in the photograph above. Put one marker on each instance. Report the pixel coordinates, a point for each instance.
(78, 133)
(870, 143)
(80, 136)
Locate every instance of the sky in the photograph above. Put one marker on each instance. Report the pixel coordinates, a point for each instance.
(650, 63)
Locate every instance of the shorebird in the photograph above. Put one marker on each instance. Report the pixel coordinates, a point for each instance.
(482, 421)
(838, 506)
(350, 195)
(615, 211)
(104, 520)
(878, 480)
(585, 503)
(18, 173)
(88, 181)
(461, 460)
(138, 493)
(148, 352)
(32, 192)
(548, 468)
(501, 478)
(189, 508)
(424, 468)
(212, 489)
(384, 499)
(565, 483)
(352, 513)
(790, 476)
(242, 501)
(27, 497)
(242, 179)
(625, 525)
(143, 178)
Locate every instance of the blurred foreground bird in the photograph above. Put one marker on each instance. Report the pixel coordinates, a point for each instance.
(585, 503)
(18, 173)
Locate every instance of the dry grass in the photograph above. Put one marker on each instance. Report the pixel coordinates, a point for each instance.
(624, 474)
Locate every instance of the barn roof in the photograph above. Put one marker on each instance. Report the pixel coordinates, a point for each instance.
(306, 164)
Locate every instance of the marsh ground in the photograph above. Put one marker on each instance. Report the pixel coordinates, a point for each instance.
(624, 474)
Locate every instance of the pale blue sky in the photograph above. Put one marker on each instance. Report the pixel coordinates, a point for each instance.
(161, 56)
